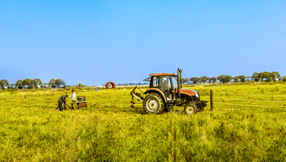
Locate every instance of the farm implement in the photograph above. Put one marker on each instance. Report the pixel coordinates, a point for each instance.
(78, 104)
(65, 107)
(164, 92)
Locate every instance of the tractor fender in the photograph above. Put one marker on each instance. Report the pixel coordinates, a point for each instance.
(158, 91)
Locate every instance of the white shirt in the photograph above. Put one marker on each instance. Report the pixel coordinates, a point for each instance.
(73, 96)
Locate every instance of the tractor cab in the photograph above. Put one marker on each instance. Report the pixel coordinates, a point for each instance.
(165, 82)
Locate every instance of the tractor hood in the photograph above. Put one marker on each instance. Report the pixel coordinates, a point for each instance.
(188, 92)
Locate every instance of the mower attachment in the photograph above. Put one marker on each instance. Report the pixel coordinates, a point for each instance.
(137, 95)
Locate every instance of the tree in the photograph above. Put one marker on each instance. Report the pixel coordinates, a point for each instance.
(60, 82)
(212, 79)
(273, 75)
(236, 79)
(248, 78)
(221, 78)
(11, 86)
(284, 79)
(44, 85)
(204, 79)
(4, 83)
(36, 82)
(195, 80)
(27, 82)
(261, 76)
(255, 77)
(224, 78)
(19, 84)
(242, 78)
(52, 83)
(265, 75)
(185, 80)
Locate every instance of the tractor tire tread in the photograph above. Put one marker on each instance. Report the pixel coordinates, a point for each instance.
(192, 105)
(161, 102)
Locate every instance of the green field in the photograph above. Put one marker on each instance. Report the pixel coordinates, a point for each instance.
(248, 124)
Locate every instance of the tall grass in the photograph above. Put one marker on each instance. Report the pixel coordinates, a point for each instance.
(31, 129)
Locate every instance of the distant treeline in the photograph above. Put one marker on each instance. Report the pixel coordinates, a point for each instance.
(54, 83)
(59, 83)
(262, 76)
(32, 84)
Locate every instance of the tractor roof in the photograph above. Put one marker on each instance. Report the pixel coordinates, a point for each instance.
(160, 74)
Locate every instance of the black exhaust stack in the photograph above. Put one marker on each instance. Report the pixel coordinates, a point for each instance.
(181, 78)
(179, 81)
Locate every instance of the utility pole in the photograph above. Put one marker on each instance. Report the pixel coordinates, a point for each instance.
(135, 80)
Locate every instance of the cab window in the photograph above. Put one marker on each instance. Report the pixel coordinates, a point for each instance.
(155, 82)
(174, 81)
(165, 82)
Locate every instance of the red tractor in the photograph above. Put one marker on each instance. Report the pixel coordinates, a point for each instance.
(165, 91)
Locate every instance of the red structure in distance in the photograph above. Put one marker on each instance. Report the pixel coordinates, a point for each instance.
(106, 85)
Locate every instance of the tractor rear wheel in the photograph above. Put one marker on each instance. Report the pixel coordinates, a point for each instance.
(190, 108)
(153, 104)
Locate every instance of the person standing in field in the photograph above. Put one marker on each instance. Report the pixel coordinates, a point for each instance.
(61, 100)
(73, 99)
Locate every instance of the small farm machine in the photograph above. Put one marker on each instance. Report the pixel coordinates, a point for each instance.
(165, 91)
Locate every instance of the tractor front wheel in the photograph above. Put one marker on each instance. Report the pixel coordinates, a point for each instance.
(190, 108)
(153, 104)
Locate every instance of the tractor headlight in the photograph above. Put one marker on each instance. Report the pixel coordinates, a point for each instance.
(197, 95)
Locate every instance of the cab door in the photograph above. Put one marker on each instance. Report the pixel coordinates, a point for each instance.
(165, 86)
(174, 85)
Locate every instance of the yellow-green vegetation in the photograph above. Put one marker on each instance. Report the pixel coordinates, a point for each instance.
(247, 124)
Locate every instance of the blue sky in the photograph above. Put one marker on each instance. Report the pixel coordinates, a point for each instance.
(110, 40)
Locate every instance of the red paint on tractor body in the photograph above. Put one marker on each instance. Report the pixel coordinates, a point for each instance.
(186, 92)
(162, 74)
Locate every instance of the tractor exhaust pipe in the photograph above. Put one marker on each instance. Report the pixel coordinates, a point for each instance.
(181, 78)
(179, 81)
